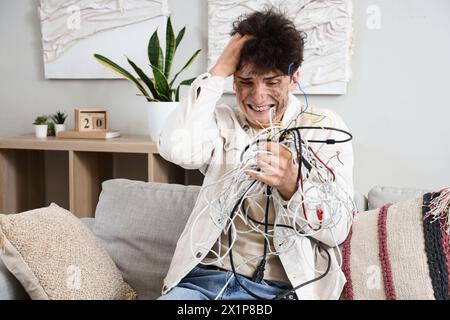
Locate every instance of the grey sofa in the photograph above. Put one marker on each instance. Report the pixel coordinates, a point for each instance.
(139, 223)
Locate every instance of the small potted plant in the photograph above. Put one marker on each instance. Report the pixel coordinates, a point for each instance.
(40, 126)
(50, 129)
(59, 118)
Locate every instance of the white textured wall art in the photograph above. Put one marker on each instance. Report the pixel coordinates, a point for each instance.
(72, 31)
(327, 23)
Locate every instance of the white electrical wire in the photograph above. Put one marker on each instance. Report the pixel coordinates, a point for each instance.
(236, 185)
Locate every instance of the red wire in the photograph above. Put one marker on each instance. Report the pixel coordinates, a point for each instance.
(318, 213)
(303, 203)
(334, 177)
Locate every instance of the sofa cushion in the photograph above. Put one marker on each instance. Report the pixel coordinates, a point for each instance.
(139, 224)
(399, 252)
(10, 287)
(54, 256)
(379, 196)
(360, 201)
(88, 222)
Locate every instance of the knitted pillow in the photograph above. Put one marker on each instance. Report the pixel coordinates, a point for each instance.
(54, 256)
(400, 251)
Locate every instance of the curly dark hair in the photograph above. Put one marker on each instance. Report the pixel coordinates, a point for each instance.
(277, 42)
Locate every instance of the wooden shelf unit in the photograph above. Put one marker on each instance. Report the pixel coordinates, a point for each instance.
(29, 167)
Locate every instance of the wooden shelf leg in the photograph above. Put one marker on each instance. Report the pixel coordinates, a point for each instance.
(22, 180)
(160, 170)
(87, 170)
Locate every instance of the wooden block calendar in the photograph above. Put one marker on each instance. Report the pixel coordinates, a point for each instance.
(91, 120)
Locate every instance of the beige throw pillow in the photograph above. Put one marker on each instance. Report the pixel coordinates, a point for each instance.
(54, 256)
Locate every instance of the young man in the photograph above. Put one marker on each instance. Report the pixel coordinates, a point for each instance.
(221, 254)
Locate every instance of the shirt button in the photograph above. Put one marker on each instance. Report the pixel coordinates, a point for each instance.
(198, 255)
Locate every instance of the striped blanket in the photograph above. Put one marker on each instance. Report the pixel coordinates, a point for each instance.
(400, 251)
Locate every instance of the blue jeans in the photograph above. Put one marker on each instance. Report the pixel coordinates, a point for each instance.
(206, 284)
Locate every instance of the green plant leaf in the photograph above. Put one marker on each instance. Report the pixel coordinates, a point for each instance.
(161, 59)
(154, 51)
(119, 70)
(187, 65)
(177, 94)
(162, 86)
(180, 37)
(149, 99)
(59, 117)
(182, 83)
(170, 48)
(50, 129)
(146, 80)
(40, 120)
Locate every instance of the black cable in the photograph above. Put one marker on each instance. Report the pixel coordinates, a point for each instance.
(297, 129)
(267, 224)
(327, 141)
(254, 142)
(254, 295)
(258, 275)
(260, 270)
(298, 148)
(289, 291)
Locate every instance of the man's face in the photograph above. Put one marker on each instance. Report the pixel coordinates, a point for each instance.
(260, 93)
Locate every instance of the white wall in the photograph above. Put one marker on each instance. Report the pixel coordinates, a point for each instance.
(396, 105)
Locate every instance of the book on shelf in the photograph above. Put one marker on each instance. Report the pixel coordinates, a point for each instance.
(73, 134)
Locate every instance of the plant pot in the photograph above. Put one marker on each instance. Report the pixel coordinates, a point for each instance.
(40, 130)
(59, 128)
(51, 130)
(157, 114)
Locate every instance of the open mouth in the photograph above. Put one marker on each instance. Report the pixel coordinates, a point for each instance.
(261, 108)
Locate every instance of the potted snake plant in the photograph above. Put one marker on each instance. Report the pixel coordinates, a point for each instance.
(159, 90)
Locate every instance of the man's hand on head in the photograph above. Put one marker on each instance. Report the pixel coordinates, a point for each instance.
(229, 59)
(277, 169)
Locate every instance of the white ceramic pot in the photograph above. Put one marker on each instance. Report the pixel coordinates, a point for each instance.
(157, 114)
(59, 128)
(40, 130)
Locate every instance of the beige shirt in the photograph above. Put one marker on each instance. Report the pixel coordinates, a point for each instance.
(202, 134)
